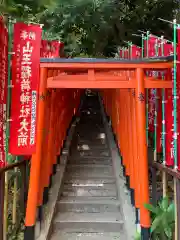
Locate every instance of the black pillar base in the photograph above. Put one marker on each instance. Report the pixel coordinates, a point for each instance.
(145, 233)
(63, 145)
(114, 135)
(137, 216)
(45, 195)
(124, 171)
(128, 182)
(54, 168)
(50, 181)
(120, 160)
(29, 233)
(39, 213)
(132, 197)
(58, 159)
(73, 118)
(118, 149)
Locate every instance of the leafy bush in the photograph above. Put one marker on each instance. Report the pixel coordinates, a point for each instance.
(163, 220)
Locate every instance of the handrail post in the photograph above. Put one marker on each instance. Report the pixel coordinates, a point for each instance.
(142, 152)
(34, 182)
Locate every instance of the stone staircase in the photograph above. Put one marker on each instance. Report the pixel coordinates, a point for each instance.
(88, 207)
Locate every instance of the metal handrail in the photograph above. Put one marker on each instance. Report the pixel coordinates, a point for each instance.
(163, 168)
(17, 196)
(12, 166)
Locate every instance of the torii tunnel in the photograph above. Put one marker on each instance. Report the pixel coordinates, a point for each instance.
(121, 85)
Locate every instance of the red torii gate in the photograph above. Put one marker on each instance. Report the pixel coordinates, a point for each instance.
(100, 74)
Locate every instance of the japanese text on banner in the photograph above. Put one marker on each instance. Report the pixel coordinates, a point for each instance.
(25, 76)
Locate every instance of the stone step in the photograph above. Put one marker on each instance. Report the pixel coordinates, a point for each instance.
(100, 142)
(80, 171)
(88, 222)
(93, 141)
(92, 121)
(80, 167)
(89, 133)
(89, 157)
(92, 128)
(75, 180)
(93, 153)
(89, 191)
(88, 166)
(90, 162)
(85, 198)
(96, 128)
(88, 206)
(88, 236)
(92, 125)
(92, 146)
(75, 186)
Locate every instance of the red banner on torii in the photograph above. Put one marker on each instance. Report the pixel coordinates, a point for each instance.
(25, 81)
(44, 48)
(51, 49)
(155, 95)
(152, 41)
(121, 53)
(136, 52)
(3, 89)
(178, 100)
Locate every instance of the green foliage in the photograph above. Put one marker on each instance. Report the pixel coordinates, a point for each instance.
(26, 10)
(163, 219)
(95, 27)
(137, 236)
